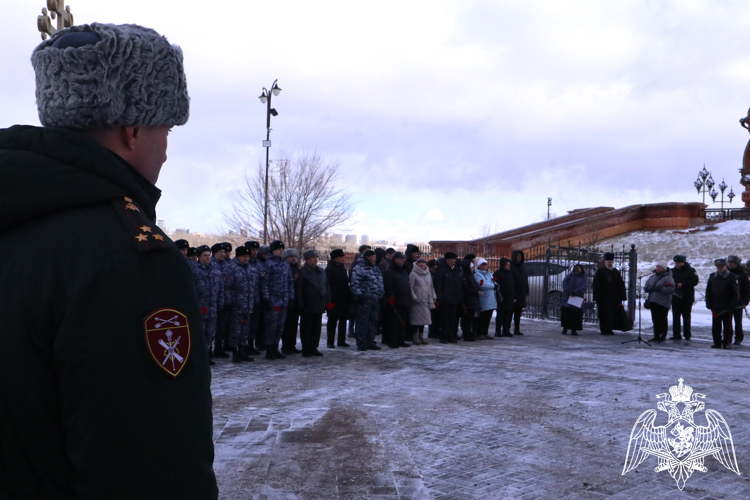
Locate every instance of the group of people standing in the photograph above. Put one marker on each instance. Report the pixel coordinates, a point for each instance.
(259, 298)
(727, 295)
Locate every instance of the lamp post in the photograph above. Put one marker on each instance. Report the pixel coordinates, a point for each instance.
(265, 98)
(722, 187)
(549, 205)
(704, 183)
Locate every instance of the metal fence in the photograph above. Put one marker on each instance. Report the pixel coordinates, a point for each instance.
(719, 215)
(547, 266)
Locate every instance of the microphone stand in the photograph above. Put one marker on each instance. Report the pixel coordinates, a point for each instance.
(640, 293)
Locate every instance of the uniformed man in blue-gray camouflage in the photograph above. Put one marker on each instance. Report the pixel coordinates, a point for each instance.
(367, 288)
(278, 291)
(220, 259)
(247, 288)
(210, 290)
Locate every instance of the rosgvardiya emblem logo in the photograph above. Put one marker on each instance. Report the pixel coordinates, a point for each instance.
(680, 446)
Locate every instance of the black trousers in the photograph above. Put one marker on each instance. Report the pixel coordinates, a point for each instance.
(659, 316)
(258, 327)
(448, 317)
(434, 331)
(395, 324)
(289, 335)
(725, 321)
(467, 323)
(681, 315)
(739, 335)
(309, 331)
(222, 327)
(502, 323)
(482, 323)
(606, 313)
(517, 311)
(337, 317)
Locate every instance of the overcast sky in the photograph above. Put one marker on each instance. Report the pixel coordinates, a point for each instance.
(444, 115)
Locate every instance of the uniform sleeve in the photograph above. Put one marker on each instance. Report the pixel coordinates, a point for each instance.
(299, 284)
(709, 294)
(133, 430)
(290, 283)
(437, 283)
(735, 292)
(265, 292)
(356, 279)
(692, 281)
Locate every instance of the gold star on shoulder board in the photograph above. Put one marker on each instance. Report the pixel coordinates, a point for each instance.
(130, 206)
(145, 229)
(158, 237)
(141, 237)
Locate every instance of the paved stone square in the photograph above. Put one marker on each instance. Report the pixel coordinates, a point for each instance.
(538, 416)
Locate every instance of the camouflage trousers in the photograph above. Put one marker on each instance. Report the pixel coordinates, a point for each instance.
(239, 329)
(275, 326)
(209, 329)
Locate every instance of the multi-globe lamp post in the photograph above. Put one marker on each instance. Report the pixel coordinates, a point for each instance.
(704, 183)
(265, 98)
(722, 187)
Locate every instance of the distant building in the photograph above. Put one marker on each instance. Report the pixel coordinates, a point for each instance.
(364, 240)
(351, 239)
(162, 225)
(186, 231)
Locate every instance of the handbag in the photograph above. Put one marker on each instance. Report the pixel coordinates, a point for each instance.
(647, 303)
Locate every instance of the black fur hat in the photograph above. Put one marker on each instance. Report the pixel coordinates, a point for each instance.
(201, 250)
(216, 247)
(337, 253)
(275, 245)
(450, 255)
(182, 244)
(242, 251)
(227, 247)
(680, 258)
(191, 252)
(252, 244)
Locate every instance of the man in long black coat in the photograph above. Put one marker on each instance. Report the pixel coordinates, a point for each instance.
(506, 297)
(396, 301)
(313, 297)
(448, 288)
(722, 296)
(289, 335)
(104, 374)
(341, 299)
(521, 283)
(685, 280)
(735, 267)
(609, 292)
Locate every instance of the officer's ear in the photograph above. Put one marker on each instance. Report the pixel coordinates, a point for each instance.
(129, 136)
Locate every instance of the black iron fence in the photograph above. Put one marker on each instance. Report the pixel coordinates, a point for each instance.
(719, 215)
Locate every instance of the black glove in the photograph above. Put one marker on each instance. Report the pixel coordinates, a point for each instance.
(360, 299)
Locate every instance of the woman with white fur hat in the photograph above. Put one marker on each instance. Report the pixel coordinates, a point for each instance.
(487, 301)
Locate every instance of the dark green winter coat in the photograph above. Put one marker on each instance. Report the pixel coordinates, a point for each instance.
(86, 410)
(688, 277)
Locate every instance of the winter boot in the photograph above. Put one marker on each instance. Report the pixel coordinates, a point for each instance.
(422, 339)
(243, 353)
(236, 355)
(270, 353)
(565, 331)
(277, 354)
(415, 338)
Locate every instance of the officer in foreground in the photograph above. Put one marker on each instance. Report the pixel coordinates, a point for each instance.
(104, 377)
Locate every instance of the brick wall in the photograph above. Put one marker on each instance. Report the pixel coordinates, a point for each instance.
(583, 227)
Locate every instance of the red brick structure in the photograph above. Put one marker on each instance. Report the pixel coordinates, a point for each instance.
(585, 226)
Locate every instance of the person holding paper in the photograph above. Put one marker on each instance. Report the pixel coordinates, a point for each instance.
(575, 285)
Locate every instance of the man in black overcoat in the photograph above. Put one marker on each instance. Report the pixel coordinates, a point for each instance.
(609, 292)
(341, 299)
(685, 280)
(396, 301)
(313, 298)
(448, 288)
(735, 267)
(521, 283)
(722, 295)
(104, 374)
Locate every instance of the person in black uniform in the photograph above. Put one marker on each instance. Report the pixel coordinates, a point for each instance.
(722, 296)
(506, 298)
(341, 299)
(735, 267)
(104, 376)
(521, 282)
(685, 281)
(183, 245)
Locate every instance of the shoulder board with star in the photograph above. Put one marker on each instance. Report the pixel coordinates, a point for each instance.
(145, 234)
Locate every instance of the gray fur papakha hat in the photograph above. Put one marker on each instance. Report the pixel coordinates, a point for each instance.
(104, 76)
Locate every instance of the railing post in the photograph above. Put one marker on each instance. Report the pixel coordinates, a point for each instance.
(632, 277)
(545, 286)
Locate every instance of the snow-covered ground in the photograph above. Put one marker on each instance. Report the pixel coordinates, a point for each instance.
(701, 246)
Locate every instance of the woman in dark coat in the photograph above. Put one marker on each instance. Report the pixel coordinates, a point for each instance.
(506, 299)
(472, 292)
(574, 285)
(521, 282)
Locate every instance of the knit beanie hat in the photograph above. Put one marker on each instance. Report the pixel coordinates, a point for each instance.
(101, 76)
(663, 264)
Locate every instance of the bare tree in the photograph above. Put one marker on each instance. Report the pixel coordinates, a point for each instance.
(487, 229)
(304, 201)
